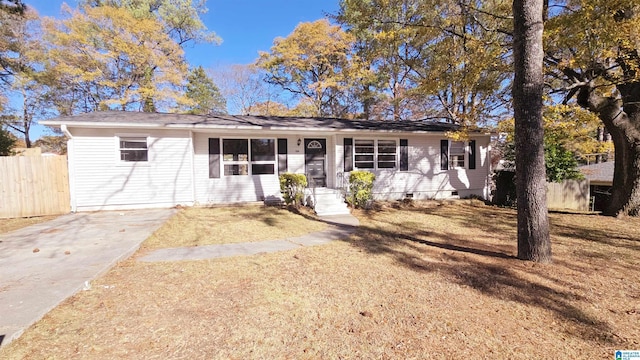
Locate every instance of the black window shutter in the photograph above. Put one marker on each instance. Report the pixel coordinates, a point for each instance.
(472, 154)
(214, 158)
(444, 154)
(282, 156)
(348, 154)
(404, 155)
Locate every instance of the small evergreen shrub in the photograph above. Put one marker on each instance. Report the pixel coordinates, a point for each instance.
(292, 188)
(505, 188)
(360, 188)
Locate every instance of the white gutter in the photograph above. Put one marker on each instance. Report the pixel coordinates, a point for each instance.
(71, 167)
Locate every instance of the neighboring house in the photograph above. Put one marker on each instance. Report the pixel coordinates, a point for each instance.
(126, 160)
(600, 178)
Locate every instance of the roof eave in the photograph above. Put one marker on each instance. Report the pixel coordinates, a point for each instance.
(86, 124)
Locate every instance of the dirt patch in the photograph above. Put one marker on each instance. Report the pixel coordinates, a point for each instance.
(418, 282)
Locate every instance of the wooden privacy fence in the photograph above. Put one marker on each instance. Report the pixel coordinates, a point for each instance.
(33, 186)
(569, 194)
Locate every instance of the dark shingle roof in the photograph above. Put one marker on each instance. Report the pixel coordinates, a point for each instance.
(141, 119)
(602, 172)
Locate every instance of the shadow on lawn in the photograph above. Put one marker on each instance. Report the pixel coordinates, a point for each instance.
(608, 236)
(485, 267)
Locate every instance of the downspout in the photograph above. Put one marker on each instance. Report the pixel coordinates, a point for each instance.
(489, 171)
(193, 169)
(71, 167)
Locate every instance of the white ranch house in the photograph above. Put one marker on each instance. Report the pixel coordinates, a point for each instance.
(130, 160)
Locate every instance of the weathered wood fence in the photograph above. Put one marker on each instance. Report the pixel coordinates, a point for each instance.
(569, 194)
(33, 186)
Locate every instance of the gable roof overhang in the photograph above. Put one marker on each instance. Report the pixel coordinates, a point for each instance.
(229, 123)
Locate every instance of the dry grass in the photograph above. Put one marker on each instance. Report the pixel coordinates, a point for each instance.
(234, 224)
(412, 283)
(7, 225)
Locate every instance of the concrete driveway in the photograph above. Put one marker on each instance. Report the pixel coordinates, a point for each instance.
(42, 265)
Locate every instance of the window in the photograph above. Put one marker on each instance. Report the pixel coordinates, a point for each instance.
(378, 154)
(236, 159)
(364, 154)
(134, 149)
(386, 154)
(456, 154)
(235, 155)
(263, 156)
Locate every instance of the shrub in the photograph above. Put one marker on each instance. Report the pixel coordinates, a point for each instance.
(292, 188)
(360, 188)
(505, 191)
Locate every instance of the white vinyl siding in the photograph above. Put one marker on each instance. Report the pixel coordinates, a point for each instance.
(424, 179)
(177, 168)
(230, 188)
(101, 182)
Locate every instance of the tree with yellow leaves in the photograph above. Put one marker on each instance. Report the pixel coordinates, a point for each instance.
(29, 95)
(315, 62)
(108, 58)
(11, 15)
(592, 55)
(569, 135)
(440, 59)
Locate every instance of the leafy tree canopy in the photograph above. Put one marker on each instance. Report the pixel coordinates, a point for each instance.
(113, 59)
(180, 18)
(204, 93)
(7, 142)
(569, 136)
(592, 56)
(315, 62)
(441, 59)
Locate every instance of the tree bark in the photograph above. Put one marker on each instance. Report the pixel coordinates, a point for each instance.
(621, 118)
(533, 223)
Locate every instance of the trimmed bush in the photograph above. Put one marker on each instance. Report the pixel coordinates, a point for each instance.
(360, 188)
(292, 188)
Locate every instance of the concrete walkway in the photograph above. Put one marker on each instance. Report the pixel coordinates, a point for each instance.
(44, 264)
(340, 226)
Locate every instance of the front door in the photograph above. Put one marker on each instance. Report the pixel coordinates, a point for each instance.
(315, 152)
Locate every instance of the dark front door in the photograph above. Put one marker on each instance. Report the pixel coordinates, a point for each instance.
(315, 151)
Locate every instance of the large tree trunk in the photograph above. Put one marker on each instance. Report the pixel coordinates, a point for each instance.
(621, 117)
(533, 223)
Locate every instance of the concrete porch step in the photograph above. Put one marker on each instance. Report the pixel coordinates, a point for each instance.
(329, 202)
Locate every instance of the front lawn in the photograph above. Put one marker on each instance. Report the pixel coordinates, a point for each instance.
(197, 226)
(431, 281)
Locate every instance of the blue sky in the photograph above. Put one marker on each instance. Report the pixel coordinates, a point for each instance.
(245, 26)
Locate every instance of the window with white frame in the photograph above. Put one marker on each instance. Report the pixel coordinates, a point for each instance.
(386, 154)
(235, 156)
(457, 150)
(263, 156)
(133, 148)
(249, 156)
(375, 154)
(364, 154)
